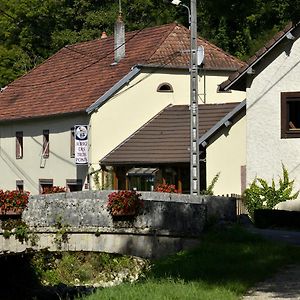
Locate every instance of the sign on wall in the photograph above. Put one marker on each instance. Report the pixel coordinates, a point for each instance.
(81, 144)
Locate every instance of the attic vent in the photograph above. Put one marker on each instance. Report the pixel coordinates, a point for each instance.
(165, 87)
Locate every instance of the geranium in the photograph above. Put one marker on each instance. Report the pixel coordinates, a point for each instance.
(124, 201)
(165, 188)
(12, 200)
(54, 189)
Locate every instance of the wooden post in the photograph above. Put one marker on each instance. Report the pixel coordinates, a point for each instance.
(179, 181)
(115, 178)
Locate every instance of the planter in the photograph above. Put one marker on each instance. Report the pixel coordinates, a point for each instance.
(123, 213)
(11, 211)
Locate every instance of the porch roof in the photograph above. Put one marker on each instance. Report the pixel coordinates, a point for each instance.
(166, 138)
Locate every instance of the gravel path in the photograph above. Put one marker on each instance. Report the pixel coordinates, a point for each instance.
(284, 285)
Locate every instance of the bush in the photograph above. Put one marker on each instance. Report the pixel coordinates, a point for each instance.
(165, 188)
(260, 195)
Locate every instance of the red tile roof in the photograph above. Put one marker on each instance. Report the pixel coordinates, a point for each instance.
(166, 138)
(77, 75)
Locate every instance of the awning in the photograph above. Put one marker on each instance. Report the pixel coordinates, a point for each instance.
(142, 172)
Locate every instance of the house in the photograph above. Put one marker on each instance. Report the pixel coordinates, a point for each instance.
(112, 85)
(272, 81)
(158, 151)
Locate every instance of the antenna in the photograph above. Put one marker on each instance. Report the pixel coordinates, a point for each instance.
(200, 55)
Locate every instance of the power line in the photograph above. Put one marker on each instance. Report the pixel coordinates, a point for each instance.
(86, 67)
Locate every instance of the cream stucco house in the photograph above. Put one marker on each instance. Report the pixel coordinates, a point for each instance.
(114, 92)
(272, 81)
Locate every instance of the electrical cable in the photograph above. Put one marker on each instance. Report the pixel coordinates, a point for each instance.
(15, 83)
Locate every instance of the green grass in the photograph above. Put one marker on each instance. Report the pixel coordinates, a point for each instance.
(225, 266)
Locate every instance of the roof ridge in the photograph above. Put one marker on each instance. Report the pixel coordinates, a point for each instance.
(163, 39)
(221, 50)
(35, 67)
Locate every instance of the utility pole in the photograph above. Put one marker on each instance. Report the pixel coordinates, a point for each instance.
(194, 151)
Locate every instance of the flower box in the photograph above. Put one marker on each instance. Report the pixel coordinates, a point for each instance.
(11, 211)
(124, 203)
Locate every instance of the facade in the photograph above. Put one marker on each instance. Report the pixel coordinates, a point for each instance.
(113, 93)
(271, 79)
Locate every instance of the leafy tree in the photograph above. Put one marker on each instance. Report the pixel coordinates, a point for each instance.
(32, 30)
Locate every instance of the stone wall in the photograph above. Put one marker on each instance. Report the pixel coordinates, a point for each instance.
(167, 223)
(173, 214)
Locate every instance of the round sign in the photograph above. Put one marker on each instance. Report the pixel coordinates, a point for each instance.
(81, 132)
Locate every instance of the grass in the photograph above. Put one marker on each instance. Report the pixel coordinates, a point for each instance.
(225, 266)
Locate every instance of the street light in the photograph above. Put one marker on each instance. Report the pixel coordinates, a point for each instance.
(178, 3)
(194, 130)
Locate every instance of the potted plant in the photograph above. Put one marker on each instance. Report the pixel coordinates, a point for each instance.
(13, 202)
(124, 203)
(165, 188)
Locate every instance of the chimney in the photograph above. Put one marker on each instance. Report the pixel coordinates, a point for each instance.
(119, 44)
(103, 35)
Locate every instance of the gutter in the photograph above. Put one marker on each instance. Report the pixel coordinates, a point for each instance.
(226, 121)
(115, 88)
(249, 68)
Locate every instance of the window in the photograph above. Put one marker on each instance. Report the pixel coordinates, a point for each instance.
(20, 185)
(72, 142)
(290, 115)
(74, 185)
(165, 88)
(44, 185)
(45, 143)
(19, 144)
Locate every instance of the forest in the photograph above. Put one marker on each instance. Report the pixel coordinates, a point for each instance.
(32, 30)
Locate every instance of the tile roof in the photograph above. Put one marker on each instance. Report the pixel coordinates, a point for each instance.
(236, 76)
(166, 138)
(77, 75)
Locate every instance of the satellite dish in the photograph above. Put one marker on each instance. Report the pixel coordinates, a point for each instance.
(200, 55)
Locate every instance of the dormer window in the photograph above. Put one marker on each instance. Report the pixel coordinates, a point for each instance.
(165, 88)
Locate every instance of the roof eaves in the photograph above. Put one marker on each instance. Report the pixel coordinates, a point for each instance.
(226, 85)
(115, 88)
(222, 122)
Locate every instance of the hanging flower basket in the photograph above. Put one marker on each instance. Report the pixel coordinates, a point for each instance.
(124, 203)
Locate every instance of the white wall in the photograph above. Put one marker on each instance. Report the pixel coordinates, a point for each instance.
(226, 155)
(139, 101)
(265, 148)
(32, 167)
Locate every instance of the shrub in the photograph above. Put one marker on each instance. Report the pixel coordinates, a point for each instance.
(12, 200)
(165, 188)
(210, 188)
(124, 201)
(260, 195)
(54, 189)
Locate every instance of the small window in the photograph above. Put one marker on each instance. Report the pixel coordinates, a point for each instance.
(19, 144)
(290, 115)
(72, 142)
(165, 88)
(45, 185)
(45, 143)
(20, 185)
(74, 185)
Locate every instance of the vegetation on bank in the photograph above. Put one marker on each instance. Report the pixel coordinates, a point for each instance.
(225, 266)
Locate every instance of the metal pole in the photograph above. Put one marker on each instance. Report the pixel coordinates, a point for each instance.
(194, 159)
